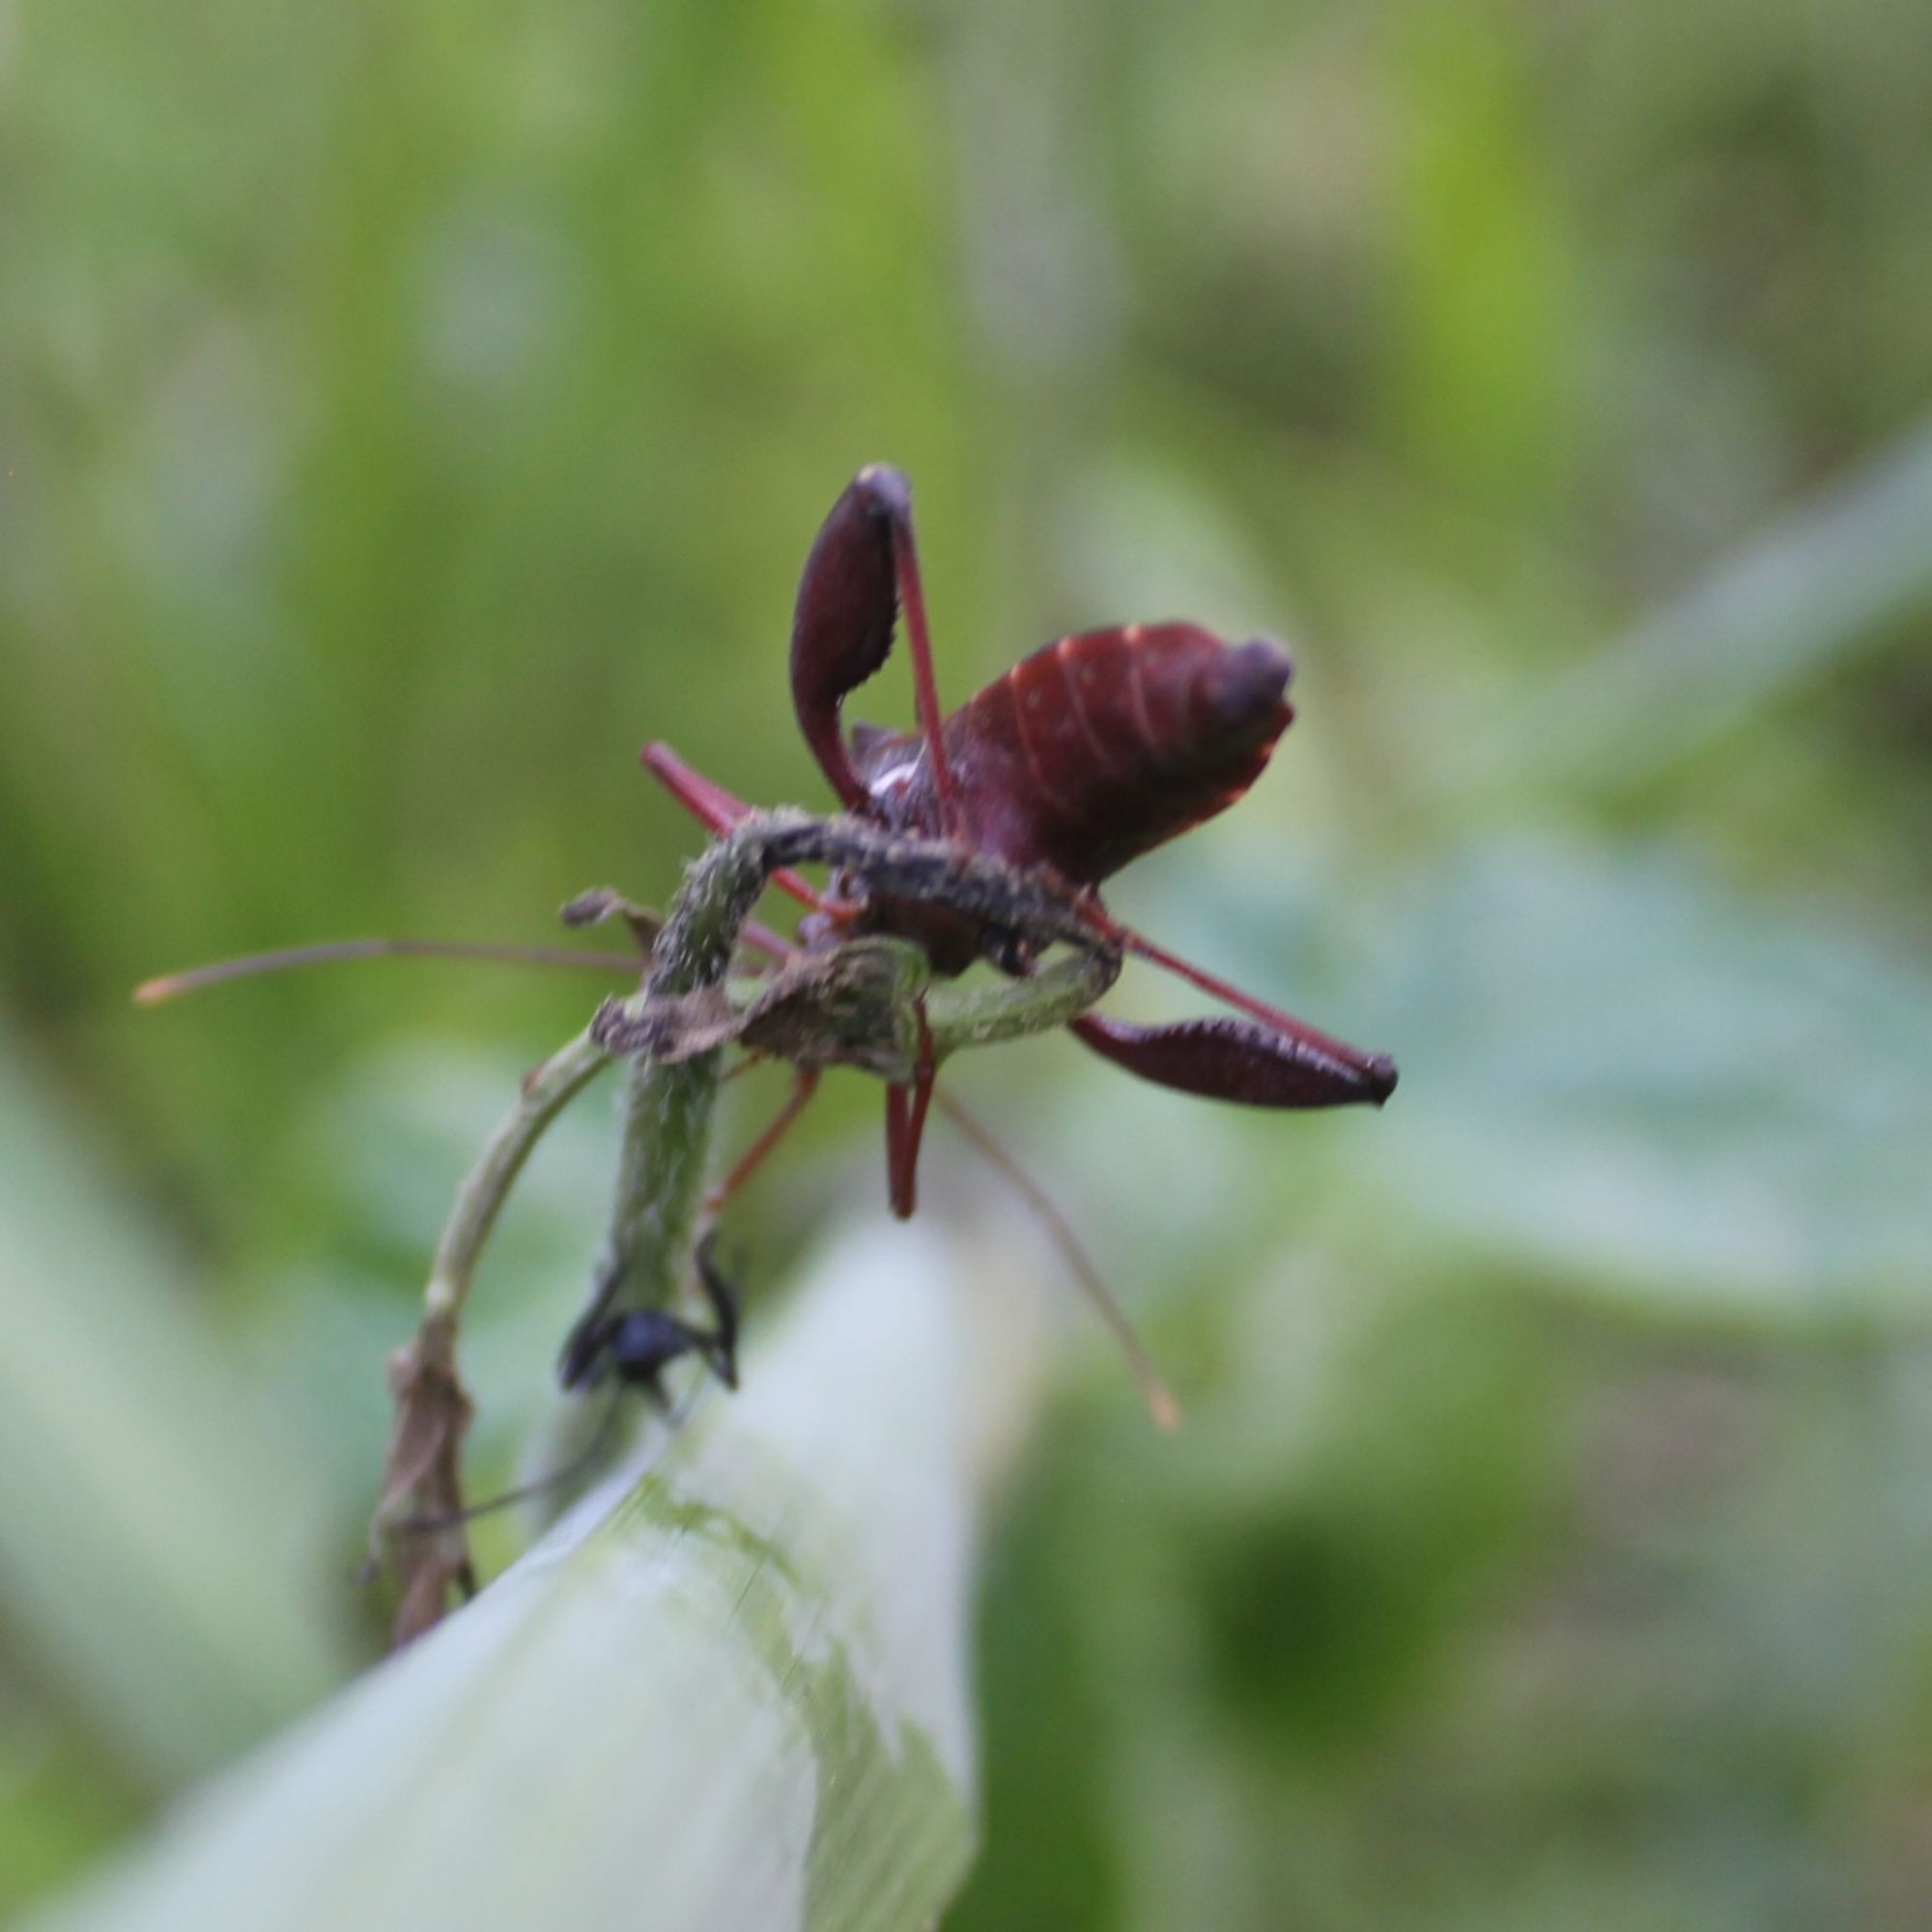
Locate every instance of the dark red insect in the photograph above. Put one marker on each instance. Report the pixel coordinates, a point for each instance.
(1081, 758)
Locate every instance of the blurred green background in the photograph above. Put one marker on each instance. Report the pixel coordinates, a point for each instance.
(407, 411)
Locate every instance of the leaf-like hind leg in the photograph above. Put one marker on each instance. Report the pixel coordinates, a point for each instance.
(1284, 1063)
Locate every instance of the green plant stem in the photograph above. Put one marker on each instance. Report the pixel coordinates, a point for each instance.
(546, 1092)
(668, 1105)
(422, 1478)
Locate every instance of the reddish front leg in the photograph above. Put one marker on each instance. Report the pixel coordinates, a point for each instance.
(897, 493)
(716, 810)
(905, 1127)
(804, 1084)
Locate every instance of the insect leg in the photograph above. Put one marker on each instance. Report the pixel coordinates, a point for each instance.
(603, 902)
(841, 627)
(721, 1351)
(1223, 1061)
(905, 1126)
(637, 1344)
(864, 566)
(894, 496)
(716, 810)
(639, 1350)
(1278, 1066)
(1156, 1393)
(804, 1084)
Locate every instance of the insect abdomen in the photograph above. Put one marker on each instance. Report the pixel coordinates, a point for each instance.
(1102, 746)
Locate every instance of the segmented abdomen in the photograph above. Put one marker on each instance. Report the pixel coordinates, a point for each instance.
(1102, 746)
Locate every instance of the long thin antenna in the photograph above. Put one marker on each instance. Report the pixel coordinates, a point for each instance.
(1159, 1398)
(586, 1458)
(172, 985)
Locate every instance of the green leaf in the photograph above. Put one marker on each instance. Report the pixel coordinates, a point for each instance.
(1618, 1068)
(154, 1525)
(1619, 1072)
(730, 1693)
(1838, 575)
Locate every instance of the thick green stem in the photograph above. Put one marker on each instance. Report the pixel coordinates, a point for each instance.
(667, 1113)
(668, 1105)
